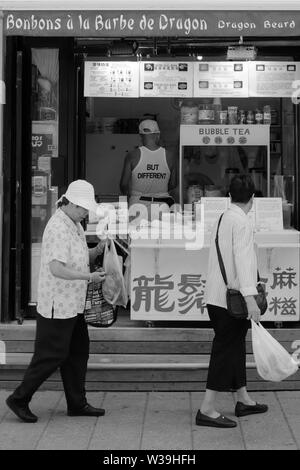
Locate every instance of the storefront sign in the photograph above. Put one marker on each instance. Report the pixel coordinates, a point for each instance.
(166, 79)
(224, 135)
(221, 79)
(104, 23)
(111, 79)
(273, 78)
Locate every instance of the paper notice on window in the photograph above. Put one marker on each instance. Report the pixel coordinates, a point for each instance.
(268, 214)
(166, 79)
(221, 79)
(213, 208)
(273, 78)
(111, 79)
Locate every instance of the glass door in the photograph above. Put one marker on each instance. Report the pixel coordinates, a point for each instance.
(40, 159)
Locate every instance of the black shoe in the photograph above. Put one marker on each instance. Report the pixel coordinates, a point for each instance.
(243, 410)
(87, 410)
(22, 411)
(219, 422)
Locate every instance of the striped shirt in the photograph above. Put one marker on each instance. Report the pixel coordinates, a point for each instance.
(236, 243)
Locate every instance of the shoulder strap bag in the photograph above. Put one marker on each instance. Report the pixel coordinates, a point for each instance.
(236, 304)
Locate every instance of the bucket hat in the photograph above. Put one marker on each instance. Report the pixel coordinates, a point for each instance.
(81, 193)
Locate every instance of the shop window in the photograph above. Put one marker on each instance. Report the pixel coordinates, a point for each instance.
(45, 115)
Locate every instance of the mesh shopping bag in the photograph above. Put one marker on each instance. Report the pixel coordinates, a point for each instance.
(97, 311)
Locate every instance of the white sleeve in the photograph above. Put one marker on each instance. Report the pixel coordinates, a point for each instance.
(244, 255)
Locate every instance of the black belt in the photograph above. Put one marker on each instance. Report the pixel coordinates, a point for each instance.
(146, 198)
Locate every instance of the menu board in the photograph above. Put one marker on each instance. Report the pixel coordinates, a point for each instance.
(273, 79)
(111, 79)
(268, 213)
(223, 79)
(166, 79)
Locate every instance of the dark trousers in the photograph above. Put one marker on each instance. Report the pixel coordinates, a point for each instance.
(227, 367)
(59, 343)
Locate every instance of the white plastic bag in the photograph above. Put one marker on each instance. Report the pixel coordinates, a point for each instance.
(113, 288)
(127, 275)
(273, 362)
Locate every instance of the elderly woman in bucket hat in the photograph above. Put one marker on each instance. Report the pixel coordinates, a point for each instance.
(62, 339)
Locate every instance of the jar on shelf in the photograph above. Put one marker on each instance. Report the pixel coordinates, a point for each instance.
(189, 112)
(232, 115)
(206, 113)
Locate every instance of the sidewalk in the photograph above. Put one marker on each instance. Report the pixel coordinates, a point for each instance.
(151, 420)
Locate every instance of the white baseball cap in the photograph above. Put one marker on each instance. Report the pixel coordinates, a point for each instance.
(149, 126)
(81, 193)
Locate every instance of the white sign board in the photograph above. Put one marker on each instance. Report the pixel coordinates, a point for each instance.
(234, 134)
(111, 79)
(268, 213)
(166, 79)
(223, 79)
(273, 79)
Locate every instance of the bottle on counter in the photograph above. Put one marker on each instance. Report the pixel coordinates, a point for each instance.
(250, 117)
(242, 116)
(258, 116)
(217, 108)
(232, 115)
(267, 114)
(223, 116)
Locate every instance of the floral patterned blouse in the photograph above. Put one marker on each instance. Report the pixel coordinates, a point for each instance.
(64, 241)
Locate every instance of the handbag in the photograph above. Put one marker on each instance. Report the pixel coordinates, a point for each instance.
(236, 304)
(97, 311)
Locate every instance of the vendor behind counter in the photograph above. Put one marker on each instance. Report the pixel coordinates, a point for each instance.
(149, 171)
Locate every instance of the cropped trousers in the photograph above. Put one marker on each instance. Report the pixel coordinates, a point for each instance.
(227, 366)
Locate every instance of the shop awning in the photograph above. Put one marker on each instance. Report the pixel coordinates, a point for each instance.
(121, 18)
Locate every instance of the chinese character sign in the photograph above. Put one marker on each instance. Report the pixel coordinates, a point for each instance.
(280, 272)
(168, 284)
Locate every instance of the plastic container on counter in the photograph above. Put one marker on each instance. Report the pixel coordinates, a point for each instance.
(189, 113)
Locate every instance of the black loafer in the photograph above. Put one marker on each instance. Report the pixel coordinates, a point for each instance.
(219, 422)
(22, 411)
(87, 410)
(243, 410)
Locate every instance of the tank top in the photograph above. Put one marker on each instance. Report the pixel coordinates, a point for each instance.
(151, 175)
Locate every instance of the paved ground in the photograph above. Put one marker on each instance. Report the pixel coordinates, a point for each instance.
(151, 420)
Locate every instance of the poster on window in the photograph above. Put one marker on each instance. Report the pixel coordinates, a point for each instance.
(110, 79)
(166, 79)
(273, 79)
(222, 79)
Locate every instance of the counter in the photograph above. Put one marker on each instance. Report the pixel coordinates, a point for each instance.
(168, 280)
